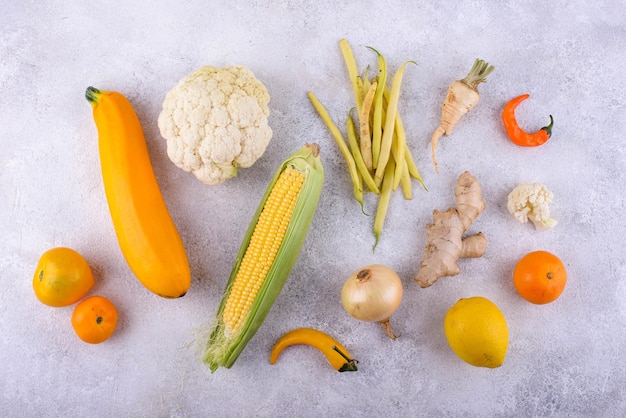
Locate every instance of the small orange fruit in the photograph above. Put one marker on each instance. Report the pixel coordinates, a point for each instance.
(540, 277)
(62, 277)
(94, 319)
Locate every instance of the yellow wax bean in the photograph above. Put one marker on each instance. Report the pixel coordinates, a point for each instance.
(366, 82)
(405, 181)
(398, 145)
(353, 72)
(390, 121)
(336, 133)
(413, 171)
(364, 126)
(383, 201)
(360, 87)
(377, 121)
(358, 158)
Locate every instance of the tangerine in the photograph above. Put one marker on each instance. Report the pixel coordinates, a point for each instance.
(540, 277)
(94, 319)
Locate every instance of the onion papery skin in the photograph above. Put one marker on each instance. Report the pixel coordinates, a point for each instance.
(372, 293)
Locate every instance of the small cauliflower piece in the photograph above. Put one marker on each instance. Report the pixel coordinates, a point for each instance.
(530, 201)
(216, 120)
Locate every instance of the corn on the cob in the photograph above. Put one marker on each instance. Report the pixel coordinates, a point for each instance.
(267, 254)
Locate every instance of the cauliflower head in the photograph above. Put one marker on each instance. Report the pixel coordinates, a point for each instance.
(216, 120)
(530, 201)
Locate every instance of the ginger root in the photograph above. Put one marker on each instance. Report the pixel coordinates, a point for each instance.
(445, 235)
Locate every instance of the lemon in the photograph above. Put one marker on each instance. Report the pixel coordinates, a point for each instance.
(477, 332)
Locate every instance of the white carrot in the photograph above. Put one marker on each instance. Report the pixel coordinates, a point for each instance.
(461, 97)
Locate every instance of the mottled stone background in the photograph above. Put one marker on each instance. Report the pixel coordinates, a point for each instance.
(564, 359)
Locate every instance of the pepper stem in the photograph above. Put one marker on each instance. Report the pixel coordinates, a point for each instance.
(548, 128)
(92, 95)
(350, 365)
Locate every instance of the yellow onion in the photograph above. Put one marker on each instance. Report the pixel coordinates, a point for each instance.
(373, 293)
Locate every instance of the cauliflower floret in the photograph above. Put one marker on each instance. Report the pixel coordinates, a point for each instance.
(216, 120)
(530, 201)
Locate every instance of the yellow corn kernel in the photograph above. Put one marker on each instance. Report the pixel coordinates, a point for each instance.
(264, 244)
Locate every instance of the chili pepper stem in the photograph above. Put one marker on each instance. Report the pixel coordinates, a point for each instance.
(548, 128)
(350, 365)
(386, 324)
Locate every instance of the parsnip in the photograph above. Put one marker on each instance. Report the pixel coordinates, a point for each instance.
(461, 97)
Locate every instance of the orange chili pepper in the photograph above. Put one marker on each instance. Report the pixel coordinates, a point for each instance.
(516, 134)
(335, 353)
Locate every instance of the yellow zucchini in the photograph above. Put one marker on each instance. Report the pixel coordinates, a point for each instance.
(145, 231)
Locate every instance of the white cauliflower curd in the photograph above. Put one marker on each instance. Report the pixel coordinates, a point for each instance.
(216, 120)
(530, 201)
